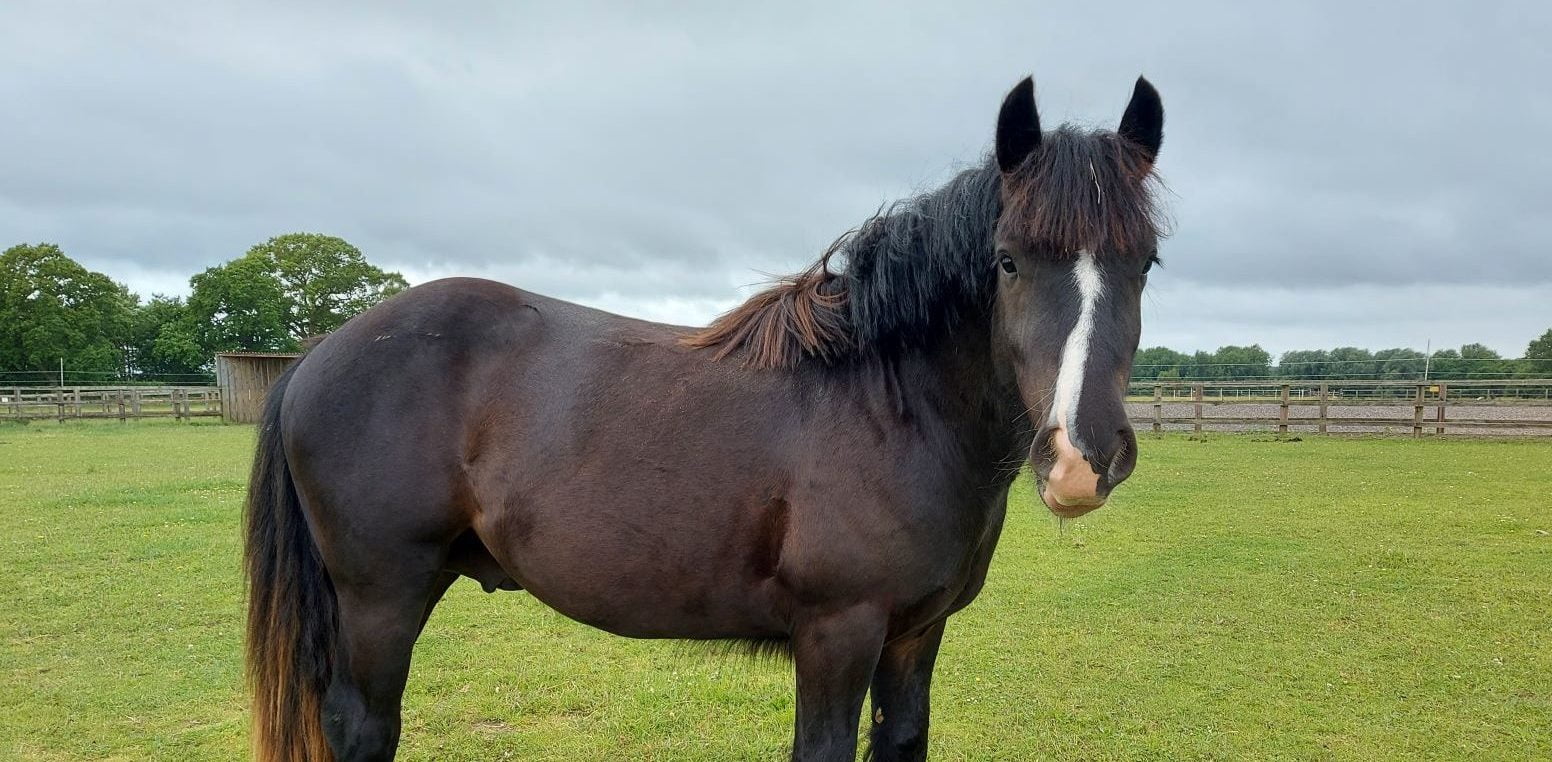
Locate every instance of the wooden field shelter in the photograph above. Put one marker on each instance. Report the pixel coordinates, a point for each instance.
(244, 378)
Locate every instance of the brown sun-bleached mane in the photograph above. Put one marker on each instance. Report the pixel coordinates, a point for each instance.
(921, 266)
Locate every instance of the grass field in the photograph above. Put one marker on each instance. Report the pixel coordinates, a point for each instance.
(1241, 598)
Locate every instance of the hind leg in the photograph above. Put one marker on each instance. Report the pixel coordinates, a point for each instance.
(380, 616)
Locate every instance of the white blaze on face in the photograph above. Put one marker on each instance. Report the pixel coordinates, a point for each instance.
(1090, 283)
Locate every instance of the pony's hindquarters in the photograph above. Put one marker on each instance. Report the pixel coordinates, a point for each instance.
(292, 624)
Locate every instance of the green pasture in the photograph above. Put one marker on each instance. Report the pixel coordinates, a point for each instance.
(1241, 598)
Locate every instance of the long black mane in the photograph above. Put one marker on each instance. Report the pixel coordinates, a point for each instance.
(922, 265)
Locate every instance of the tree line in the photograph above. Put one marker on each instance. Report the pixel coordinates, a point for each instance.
(1471, 361)
(55, 313)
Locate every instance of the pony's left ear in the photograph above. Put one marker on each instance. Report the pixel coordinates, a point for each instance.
(1143, 122)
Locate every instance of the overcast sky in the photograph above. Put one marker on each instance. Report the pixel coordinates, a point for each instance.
(1339, 173)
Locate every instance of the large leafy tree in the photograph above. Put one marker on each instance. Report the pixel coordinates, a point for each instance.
(240, 306)
(1445, 363)
(1203, 364)
(1242, 362)
(285, 290)
(164, 340)
(1351, 362)
(53, 309)
(1479, 352)
(1538, 356)
(1399, 363)
(1482, 362)
(325, 280)
(1304, 363)
(1158, 362)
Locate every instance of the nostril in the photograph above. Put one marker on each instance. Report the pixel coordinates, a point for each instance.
(1124, 459)
(1043, 451)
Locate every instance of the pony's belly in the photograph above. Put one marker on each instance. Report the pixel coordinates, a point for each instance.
(633, 582)
(698, 617)
(667, 606)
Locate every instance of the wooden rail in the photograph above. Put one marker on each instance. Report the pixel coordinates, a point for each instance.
(1519, 406)
(124, 403)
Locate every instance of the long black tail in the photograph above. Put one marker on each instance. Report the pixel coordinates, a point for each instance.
(292, 616)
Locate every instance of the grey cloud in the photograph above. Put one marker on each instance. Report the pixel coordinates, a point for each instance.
(613, 152)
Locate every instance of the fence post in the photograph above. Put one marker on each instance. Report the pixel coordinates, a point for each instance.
(59, 399)
(134, 401)
(1158, 408)
(120, 397)
(177, 408)
(1325, 397)
(1444, 393)
(1282, 413)
(1417, 411)
(1196, 394)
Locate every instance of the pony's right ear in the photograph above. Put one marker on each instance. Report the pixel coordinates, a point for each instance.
(1018, 126)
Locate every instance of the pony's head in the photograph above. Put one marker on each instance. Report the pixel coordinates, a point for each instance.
(1076, 236)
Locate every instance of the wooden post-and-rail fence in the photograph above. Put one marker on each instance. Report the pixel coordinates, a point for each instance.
(62, 403)
(1520, 407)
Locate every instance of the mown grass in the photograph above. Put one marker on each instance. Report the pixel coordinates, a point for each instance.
(1242, 598)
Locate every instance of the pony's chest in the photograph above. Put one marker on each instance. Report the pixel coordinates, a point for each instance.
(964, 583)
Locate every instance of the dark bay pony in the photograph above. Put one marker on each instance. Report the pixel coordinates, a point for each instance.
(823, 471)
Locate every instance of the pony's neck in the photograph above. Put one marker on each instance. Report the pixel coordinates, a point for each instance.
(956, 388)
(919, 289)
(995, 422)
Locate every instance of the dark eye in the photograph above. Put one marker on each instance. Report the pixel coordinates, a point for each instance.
(1153, 259)
(1006, 263)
